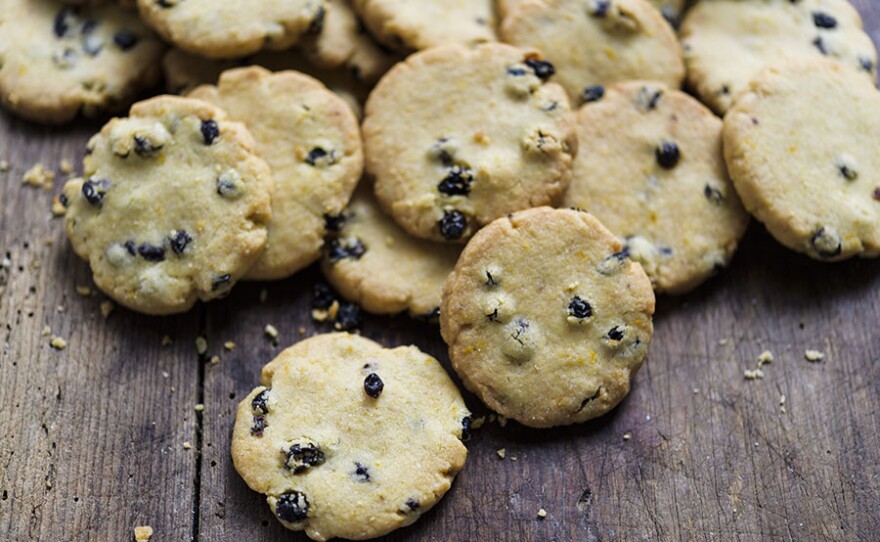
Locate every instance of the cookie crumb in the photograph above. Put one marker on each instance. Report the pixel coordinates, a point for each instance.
(696, 391)
(4, 166)
(201, 345)
(166, 340)
(106, 308)
(186, 445)
(814, 356)
(199, 407)
(302, 330)
(215, 360)
(143, 533)
(60, 308)
(58, 208)
(542, 513)
(502, 453)
(477, 423)
(39, 177)
(57, 343)
(65, 167)
(627, 435)
(264, 295)
(502, 421)
(723, 342)
(782, 404)
(47, 331)
(765, 358)
(753, 374)
(84, 291)
(229, 345)
(271, 331)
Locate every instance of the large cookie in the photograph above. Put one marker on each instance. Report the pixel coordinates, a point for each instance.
(651, 169)
(311, 141)
(408, 25)
(458, 137)
(57, 60)
(348, 439)
(801, 146)
(546, 318)
(597, 42)
(728, 42)
(225, 28)
(173, 208)
(371, 261)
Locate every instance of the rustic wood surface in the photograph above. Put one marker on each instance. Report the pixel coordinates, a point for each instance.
(92, 437)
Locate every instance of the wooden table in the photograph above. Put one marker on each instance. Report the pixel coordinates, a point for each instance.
(93, 436)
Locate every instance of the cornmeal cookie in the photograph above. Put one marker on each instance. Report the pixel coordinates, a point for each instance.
(546, 318)
(173, 207)
(407, 25)
(651, 169)
(801, 145)
(349, 439)
(448, 158)
(220, 29)
(58, 60)
(370, 260)
(671, 10)
(311, 141)
(597, 42)
(728, 42)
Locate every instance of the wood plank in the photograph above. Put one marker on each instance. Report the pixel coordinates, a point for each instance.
(91, 435)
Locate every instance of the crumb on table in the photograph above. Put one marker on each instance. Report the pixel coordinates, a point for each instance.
(814, 356)
(143, 533)
(39, 177)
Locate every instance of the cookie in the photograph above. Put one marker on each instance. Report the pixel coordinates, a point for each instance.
(801, 146)
(449, 158)
(546, 318)
(597, 42)
(671, 10)
(349, 439)
(311, 141)
(173, 208)
(57, 61)
(371, 261)
(226, 29)
(184, 72)
(405, 25)
(651, 169)
(728, 42)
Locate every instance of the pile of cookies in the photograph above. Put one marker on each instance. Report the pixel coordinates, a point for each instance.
(527, 173)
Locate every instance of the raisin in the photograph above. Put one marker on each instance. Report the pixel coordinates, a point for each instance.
(228, 184)
(616, 333)
(151, 253)
(592, 93)
(260, 403)
(342, 249)
(457, 182)
(412, 504)
(373, 385)
(466, 428)
(125, 40)
(493, 316)
(63, 199)
(876, 193)
(516, 72)
(144, 147)
(848, 173)
(319, 157)
(820, 44)
(866, 64)
(220, 281)
(301, 457)
(543, 69)
(179, 240)
(823, 20)
(130, 247)
(601, 8)
(580, 309)
(61, 24)
(94, 191)
(826, 242)
(348, 317)
(317, 24)
(453, 225)
(667, 154)
(713, 194)
(322, 296)
(490, 280)
(361, 473)
(335, 223)
(210, 131)
(292, 507)
(259, 425)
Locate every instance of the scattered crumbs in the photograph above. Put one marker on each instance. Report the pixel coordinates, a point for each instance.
(271, 331)
(4, 166)
(47, 331)
(186, 445)
(753, 374)
(143, 533)
(229, 345)
(477, 423)
(199, 407)
(201, 345)
(84, 291)
(58, 208)
(66, 166)
(264, 295)
(39, 177)
(57, 343)
(782, 404)
(542, 513)
(723, 342)
(166, 340)
(106, 308)
(215, 360)
(502, 421)
(627, 435)
(326, 315)
(502, 453)
(814, 356)
(765, 358)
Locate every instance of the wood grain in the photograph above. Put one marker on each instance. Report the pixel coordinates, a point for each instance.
(92, 436)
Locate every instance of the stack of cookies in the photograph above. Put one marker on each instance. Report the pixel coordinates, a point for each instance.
(526, 172)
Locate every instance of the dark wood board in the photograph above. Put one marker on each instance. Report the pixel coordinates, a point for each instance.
(92, 436)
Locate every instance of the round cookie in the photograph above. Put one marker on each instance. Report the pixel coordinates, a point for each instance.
(546, 318)
(408, 25)
(448, 158)
(173, 208)
(597, 42)
(651, 169)
(801, 147)
(311, 141)
(225, 29)
(728, 42)
(349, 439)
(57, 61)
(371, 261)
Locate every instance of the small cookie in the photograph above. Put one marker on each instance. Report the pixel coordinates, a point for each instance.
(349, 439)
(57, 60)
(650, 168)
(448, 158)
(226, 29)
(311, 141)
(546, 318)
(598, 42)
(406, 25)
(371, 261)
(801, 146)
(728, 42)
(173, 208)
